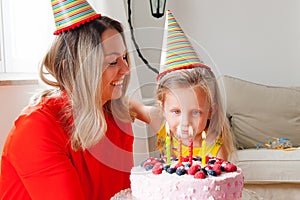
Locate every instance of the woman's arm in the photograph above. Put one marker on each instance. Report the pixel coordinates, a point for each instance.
(38, 154)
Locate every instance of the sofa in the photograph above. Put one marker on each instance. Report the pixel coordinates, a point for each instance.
(259, 116)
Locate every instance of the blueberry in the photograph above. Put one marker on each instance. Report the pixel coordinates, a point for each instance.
(203, 170)
(187, 166)
(211, 172)
(174, 159)
(211, 162)
(142, 163)
(165, 167)
(197, 158)
(148, 167)
(222, 168)
(171, 170)
(180, 171)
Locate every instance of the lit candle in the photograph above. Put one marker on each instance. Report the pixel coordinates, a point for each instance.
(168, 146)
(179, 144)
(180, 150)
(191, 146)
(203, 149)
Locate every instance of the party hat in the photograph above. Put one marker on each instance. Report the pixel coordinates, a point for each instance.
(179, 51)
(69, 14)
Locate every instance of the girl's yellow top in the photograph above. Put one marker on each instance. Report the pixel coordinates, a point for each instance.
(211, 149)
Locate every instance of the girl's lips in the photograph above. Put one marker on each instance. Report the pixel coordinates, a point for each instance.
(185, 132)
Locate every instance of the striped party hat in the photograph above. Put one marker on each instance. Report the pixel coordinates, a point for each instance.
(69, 14)
(179, 51)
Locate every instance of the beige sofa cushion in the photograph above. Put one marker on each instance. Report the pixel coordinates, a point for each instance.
(257, 111)
(269, 166)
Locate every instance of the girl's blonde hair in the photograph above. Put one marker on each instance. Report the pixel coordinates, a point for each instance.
(74, 63)
(204, 78)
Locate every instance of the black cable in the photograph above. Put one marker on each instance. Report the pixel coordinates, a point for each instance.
(134, 41)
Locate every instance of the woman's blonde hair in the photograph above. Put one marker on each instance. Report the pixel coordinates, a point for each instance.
(204, 78)
(74, 63)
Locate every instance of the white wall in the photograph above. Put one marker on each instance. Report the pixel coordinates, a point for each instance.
(13, 99)
(254, 40)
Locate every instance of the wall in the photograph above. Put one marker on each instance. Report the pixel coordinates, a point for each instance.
(13, 98)
(254, 40)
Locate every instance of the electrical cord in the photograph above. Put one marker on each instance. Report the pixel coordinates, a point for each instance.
(134, 41)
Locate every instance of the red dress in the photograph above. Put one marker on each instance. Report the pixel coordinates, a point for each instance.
(38, 162)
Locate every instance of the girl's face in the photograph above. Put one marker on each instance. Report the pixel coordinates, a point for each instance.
(184, 107)
(115, 65)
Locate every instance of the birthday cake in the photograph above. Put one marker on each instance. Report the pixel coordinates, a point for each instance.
(219, 179)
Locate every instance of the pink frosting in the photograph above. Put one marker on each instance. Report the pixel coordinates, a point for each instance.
(146, 185)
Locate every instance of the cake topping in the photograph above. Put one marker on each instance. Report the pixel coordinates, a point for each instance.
(214, 167)
(200, 174)
(157, 168)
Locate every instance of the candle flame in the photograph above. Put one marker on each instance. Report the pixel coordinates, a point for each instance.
(179, 131)
(203, 135)
(191, 131)
(167, 128)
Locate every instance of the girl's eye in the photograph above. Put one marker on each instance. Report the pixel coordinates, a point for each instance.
(196, 112)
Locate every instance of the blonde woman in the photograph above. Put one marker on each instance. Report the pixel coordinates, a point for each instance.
(75, 141)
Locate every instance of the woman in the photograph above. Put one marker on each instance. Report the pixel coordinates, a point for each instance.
(75, 141)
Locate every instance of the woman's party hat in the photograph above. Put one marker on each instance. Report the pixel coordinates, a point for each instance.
(179, 51)
(69, 14)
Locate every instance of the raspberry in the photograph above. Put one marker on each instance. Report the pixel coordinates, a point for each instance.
(230, 167)
(150, 162)
(207, 167)
(179, 165)
(200, 175)
(217, 169)
(157, 168)
(185, 159)
(193, 169)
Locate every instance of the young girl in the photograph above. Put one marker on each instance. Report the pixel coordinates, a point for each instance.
(189, 95)
(191, 98)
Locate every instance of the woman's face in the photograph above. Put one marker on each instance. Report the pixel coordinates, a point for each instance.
(184, 107)
(115, 65)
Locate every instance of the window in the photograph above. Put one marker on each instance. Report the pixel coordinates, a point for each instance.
(26, 32)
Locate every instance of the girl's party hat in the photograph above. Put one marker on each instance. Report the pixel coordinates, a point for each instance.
(179, 51)
(69, 14)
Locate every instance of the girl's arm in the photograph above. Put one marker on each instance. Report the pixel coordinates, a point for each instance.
(149, 114)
